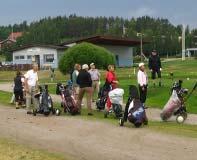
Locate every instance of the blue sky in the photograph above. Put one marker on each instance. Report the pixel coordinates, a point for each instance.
(177, 11)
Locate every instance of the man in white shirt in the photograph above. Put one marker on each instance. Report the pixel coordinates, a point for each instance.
(142, 80)
(95, 76)
(31, 81)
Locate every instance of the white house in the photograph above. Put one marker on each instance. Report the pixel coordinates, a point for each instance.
(122, 48)
(43, 55)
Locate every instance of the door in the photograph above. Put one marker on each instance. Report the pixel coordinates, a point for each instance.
(37, 60)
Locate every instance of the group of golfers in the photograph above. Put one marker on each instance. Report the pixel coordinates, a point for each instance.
(86, 80)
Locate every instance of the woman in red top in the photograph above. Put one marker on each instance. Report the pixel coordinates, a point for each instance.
(112, 80)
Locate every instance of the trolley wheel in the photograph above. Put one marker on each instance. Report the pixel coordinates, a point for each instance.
(185, 115)
(34, 112)
(57, 112)
(46, 113)
(180, 119)
(121, 121)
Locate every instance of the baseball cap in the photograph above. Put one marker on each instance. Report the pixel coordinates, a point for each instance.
(85, 66)
(141, 64)
(91, 64)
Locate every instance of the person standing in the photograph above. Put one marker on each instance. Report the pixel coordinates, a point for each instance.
(154, 64)
(74, 76)
(112, 81)
(142, 80)
(31, 82)
(95, 76)
(85, 83)
(18, 89)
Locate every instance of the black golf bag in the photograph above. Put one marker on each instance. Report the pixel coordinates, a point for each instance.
(102, 96)
(68, 103)
(45, 102)
(134, 110)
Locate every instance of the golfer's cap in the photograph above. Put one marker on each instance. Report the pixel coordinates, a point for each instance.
(141, 64)
(85, 66)
(91, 64)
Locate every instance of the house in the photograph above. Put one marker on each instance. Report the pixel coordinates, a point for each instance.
(122, 48)
(14, 35)
(6, 42)
(11, 39)
(43, 55)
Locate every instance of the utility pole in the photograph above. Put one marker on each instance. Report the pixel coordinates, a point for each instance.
(183, 43)
(141, 44)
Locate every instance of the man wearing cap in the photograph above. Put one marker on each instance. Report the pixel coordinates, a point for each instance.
(154, 64)
(142, 80)
(31, 81)
(95, 76)
(85, 86)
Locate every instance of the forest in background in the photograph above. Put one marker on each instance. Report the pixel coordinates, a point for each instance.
(162, 35)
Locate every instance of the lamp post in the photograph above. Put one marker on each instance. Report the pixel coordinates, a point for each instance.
(141, 44)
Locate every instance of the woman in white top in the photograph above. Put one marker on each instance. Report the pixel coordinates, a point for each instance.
(142, 80)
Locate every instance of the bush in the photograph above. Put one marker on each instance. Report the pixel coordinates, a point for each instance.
(85, 53)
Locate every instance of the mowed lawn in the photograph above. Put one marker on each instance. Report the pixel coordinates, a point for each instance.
(157, 97)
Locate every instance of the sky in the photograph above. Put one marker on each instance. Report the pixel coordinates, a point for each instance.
(176, 11)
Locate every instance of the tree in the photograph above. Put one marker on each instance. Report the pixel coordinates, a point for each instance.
(85, 53)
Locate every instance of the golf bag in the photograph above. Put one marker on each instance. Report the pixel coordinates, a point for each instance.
(45, 102)
(116, 98)
(176, 103)
(102, 96)
(134, 110)
(68, 102)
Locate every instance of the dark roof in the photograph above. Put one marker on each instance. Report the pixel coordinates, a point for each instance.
(41, 45)
(109, 40)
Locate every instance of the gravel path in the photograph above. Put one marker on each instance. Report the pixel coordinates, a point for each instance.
(88, 140)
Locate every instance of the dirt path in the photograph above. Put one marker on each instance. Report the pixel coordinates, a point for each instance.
(88, 140)
(152, 113)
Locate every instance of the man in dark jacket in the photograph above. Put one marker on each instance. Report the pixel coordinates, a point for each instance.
(85, 86)
(155, 66)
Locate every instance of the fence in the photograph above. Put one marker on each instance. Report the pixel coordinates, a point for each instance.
(15, 67)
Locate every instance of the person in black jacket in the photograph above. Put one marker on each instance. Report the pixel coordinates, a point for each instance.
(155, 66)
(18, 89)
(85, 86)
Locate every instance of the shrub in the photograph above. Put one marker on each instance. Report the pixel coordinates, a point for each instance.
(85, 53)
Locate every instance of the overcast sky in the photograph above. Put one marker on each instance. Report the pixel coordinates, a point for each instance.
(177, 11)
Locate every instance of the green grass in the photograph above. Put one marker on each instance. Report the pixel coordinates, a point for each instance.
(9, 150)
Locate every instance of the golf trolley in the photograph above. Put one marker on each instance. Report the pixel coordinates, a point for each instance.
(45, 105)
(176, 104)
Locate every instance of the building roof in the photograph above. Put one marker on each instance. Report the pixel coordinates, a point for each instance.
(40, 45)
(6, 40)
(15, 35)
(106, 40)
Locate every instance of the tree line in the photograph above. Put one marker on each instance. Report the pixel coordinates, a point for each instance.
(160, 33)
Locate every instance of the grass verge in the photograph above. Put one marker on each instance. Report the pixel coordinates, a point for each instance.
(9, 150)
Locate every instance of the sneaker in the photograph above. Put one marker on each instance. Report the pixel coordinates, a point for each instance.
(90, 114)
(29, 112)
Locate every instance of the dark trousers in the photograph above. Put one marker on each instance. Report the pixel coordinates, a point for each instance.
(143, 93)
(18, 95)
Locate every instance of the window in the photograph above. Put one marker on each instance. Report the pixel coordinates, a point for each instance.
(19, 57)
(29, 57)
(22, 57)
(49, 58)
(16, 57)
